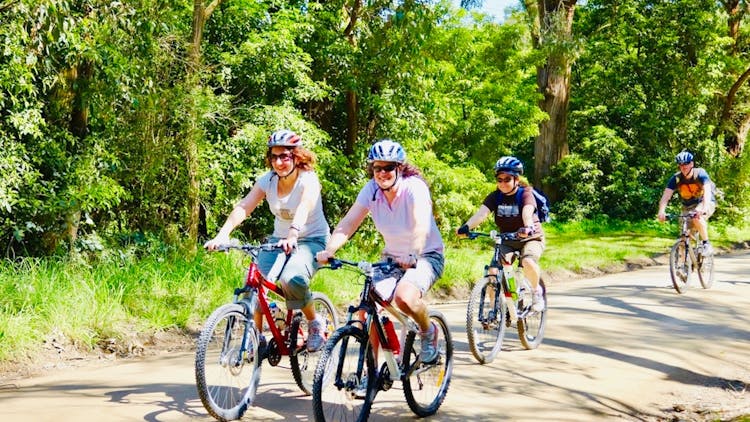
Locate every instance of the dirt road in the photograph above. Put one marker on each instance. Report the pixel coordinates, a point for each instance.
(619, 347)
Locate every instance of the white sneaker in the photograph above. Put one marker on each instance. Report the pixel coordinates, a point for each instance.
(361, 391)
(708, 250)
(537, 301)
(429, 352)
(315, 338)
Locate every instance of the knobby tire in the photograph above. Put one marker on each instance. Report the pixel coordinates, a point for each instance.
(426, 385)
(303, 363)
(226, 381)
(485, 320)
(531, 328)
(346, 358)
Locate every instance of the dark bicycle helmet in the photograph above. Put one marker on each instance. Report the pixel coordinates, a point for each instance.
(510, 165)
(284, 138)
(387, 150)
(684, 157)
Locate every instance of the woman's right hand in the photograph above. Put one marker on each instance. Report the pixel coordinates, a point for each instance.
(217, 241)
(323, 257)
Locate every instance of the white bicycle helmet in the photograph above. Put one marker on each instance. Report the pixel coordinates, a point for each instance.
(510, 165)
(387, 150)
(284, 138)
(684, 157)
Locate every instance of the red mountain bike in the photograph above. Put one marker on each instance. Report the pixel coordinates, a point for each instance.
(228, 353)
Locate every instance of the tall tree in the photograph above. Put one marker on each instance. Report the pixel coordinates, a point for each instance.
(734, 122)
(552, 22)
(201, 12)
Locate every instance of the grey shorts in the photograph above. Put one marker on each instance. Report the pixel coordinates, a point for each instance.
(293, 272)
(529, 249)
(429, 268)
(710, 209)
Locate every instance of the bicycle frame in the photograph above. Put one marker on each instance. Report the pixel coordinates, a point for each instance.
(369, 303)
(687, 235)
(256, 286)
(495, 269)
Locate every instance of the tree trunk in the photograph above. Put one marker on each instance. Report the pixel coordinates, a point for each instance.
(732, 123)
(735, 13)
(79, 126)
(352, 110)
(201, 13)
(734, 138)
(552, 143)
(552, 21)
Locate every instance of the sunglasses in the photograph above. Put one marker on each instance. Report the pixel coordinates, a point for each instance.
(286, 156)
(504, 179)
(387, 168)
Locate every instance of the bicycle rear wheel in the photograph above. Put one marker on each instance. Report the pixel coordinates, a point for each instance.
(680, 267)
(706, 270)
(426, 385)
(346, 361)
(531, 327)
(303, 363)
(226, 372)
(486, 320)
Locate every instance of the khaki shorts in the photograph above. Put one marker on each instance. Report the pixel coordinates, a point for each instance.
(429, 268)
(710, 209)
(529, 249)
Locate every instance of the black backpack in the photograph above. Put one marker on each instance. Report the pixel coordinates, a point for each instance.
(542, 203)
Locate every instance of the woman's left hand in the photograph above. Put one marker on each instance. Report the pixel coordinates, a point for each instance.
(288, 244)
(407, 261)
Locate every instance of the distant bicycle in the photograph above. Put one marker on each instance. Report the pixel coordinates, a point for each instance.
(687, 256)
(500, 299)
(228, 353)
(347, 380)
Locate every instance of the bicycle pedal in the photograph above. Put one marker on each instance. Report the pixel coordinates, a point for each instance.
(426, 366)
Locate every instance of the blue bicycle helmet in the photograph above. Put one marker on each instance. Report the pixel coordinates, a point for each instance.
(387, 150)
(684, 158)
(284, 138)
(510, 165)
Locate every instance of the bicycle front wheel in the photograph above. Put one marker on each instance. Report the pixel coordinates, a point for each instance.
(531, 326)
(426, 385)
(706, 270)
(346, 380)
(486, 320)
(303, 363)
(227, 365)
(680, 266)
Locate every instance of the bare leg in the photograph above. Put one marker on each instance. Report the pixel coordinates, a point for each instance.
(408, 299)
(532, 271)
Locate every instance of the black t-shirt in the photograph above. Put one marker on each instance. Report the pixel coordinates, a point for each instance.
(507, 210)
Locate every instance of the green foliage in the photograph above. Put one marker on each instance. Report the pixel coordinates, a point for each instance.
(97, 112)
(649, 74)
(579, 187)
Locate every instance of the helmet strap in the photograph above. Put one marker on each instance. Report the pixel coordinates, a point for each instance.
(398, 176)
(294, 168)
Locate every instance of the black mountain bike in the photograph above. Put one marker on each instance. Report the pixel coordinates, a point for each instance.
(497, 303)
(347, 379)
(687, 256)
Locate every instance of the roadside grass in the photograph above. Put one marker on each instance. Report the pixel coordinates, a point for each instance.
(87, 303)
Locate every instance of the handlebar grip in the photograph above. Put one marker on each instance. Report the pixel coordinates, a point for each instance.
(334, 263)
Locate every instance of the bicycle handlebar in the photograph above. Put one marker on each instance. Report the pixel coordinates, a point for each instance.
(494, 235)
(247, 248)
(689, 214)
(365, 266)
